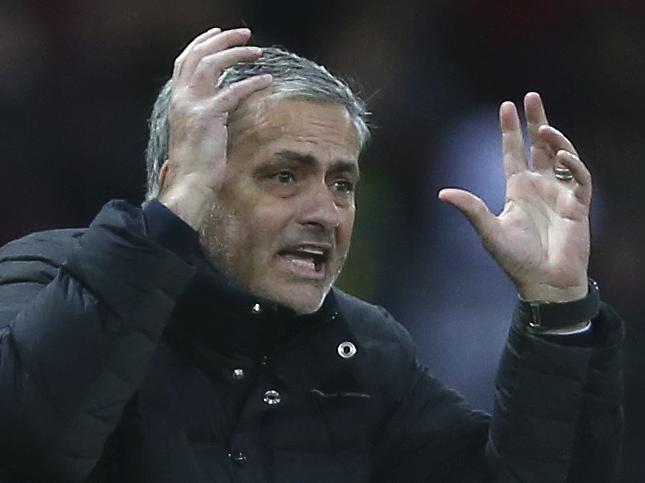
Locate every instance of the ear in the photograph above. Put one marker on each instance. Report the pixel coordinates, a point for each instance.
(162, 174)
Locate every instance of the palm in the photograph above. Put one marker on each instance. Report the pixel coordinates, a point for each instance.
(541, 238)
(542, 229)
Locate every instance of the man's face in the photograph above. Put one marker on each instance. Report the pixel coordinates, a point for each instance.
(282, 224)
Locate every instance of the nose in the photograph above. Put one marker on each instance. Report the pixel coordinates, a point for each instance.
(321, 209)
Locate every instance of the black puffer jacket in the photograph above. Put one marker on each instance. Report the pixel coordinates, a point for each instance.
(121, 361)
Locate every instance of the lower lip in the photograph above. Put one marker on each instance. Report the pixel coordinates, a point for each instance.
(303, 268)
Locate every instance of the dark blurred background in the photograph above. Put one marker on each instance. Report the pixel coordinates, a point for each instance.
(78, 77)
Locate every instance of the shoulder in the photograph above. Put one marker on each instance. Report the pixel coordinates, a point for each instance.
(29, 264)
(55, 246)
(51, 247)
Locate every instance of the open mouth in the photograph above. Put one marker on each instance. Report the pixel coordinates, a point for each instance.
(310, 258)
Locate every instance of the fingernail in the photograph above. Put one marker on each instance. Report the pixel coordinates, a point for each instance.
(256, 50)
(243, 31)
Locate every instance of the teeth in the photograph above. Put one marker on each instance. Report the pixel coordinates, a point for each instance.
(312, 251)
(309, 264)
(307, 257)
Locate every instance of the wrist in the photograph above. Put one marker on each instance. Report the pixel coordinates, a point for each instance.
(540, 315)
(189, 201)
(544, 293)
(170, 231)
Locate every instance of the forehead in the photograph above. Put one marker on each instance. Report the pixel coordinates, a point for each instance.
(267, 122)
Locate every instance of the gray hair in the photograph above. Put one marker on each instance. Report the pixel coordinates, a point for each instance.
(293, 77)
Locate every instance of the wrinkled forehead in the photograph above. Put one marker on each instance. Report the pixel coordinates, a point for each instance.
(266, 117)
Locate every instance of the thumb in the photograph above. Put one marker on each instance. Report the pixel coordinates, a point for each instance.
(473, 208)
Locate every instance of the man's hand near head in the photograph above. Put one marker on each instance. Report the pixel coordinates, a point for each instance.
(195, 169)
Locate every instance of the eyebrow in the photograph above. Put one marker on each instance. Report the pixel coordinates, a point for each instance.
(343, 165)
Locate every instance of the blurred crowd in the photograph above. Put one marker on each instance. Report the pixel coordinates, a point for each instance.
(78, 78)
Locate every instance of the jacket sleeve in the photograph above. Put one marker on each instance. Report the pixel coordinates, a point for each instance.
(558, 408)
(557, 417)
(597, 446)
(76, 336)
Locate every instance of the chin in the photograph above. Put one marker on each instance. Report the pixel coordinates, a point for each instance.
(302, 301)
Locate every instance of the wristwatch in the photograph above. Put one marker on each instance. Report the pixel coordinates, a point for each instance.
(544, 316)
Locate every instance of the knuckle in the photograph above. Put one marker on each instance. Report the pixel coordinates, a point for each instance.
(185, 110)
(226, 97)
(197, 111)
(201, 47)
(233, 89)
(200, 51)
(210, 60)
(178, 100)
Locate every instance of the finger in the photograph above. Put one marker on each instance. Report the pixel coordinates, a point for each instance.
(556, 140)
(475, 210)
(512, 141)
(200, 38)
(541, 152)
(221, 41)
(229, 98)
(580, 173)
(210, 67)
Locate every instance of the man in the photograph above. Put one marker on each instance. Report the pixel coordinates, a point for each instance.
(200, 339)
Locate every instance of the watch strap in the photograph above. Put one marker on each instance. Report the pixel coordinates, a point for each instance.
(541, 315)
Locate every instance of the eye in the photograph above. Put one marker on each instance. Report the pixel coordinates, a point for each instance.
(284, 177)
(343, 186)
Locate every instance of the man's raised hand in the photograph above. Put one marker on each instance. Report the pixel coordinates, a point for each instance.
(541, 238)
(198, 115)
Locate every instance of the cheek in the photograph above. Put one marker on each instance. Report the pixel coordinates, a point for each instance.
(257, 249)
(232, 246)
(264, 229)
(346, 228)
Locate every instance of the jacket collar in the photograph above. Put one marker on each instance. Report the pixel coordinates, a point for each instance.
(215, 313)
